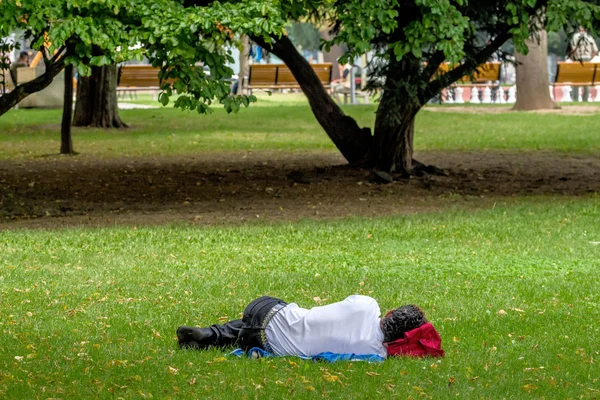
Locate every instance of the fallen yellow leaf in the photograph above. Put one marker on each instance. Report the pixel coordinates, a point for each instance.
(332, 378)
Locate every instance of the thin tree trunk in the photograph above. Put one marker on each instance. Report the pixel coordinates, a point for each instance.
(97, 99)
(532, 76)
(352, 141)
(66, 141)
(244, 63)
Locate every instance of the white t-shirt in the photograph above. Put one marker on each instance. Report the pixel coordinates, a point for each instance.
(349, 326)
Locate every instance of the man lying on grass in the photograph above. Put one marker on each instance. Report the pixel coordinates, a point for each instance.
(351, 326)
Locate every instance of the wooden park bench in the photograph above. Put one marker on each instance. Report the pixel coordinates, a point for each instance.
(346, 92)
(279, 76)
(486, 76)
(575, 74)
(133, 78)
(488, 72)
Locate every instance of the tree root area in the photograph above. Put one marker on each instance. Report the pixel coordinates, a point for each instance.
(274, 186)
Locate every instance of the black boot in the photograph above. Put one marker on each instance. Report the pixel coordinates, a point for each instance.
(195, 338)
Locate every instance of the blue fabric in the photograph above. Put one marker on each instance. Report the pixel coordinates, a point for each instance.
(256, 352)
(259, 54)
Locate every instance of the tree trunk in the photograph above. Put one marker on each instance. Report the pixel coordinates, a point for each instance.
(392, 149)
(532, 76)
(96, 104)
(66, 141)
(394, 144)
(244, 63)
(352, 141)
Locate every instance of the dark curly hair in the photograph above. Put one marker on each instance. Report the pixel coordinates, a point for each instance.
(401, 320)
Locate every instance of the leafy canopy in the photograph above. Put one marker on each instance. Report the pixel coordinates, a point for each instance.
(178, 38)
(454, 27)
(460, 32)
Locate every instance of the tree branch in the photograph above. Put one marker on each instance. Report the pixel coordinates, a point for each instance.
(45, 56)
(272, 47)
(433, 64)
(11, 99)
(468, 66)
(58, 53)
(352, 141)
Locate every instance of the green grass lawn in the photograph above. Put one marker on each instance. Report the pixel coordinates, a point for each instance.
(513, 291)
(285, 122)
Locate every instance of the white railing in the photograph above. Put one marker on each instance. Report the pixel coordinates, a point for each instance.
(493, 94)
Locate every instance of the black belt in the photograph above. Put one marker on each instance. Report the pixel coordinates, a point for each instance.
(257, 316)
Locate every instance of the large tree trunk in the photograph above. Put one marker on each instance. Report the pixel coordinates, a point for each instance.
(393, 144)
(352, 141)
(96, 104)
(66, 141)
(392, 149)
(532, 76)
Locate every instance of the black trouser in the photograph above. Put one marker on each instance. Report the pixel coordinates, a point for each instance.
(249, 331)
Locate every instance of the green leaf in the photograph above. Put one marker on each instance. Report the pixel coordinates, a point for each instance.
(163, 98)
(98, 61)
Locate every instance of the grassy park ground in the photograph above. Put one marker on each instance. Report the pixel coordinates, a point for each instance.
(183, 219)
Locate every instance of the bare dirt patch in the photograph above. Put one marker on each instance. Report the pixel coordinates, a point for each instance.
(252, 186)
(564, 110)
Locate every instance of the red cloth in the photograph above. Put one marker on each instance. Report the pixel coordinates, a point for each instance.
(420, 342)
